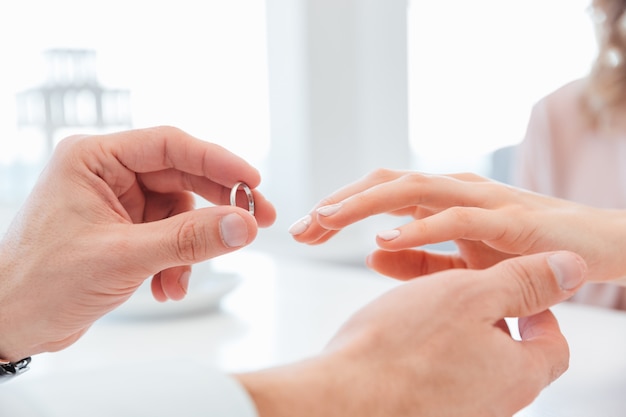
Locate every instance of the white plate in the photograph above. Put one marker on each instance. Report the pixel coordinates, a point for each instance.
(207, 287)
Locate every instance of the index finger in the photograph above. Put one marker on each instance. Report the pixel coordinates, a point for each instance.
(309, 230)
(411, 191)
(164, 147)
(394, 192)
(545, 345)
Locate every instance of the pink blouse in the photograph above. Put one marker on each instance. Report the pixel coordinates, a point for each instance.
(562, 156)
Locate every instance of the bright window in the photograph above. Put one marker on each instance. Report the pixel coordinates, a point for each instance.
(197, 65)
(477, 67)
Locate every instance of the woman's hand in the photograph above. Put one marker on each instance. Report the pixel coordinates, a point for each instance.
(488, 221)
(108, 212)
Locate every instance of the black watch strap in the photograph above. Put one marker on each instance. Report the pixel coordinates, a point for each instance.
(11, 369)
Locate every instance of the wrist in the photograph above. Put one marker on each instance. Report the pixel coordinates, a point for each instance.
(14, 329)
(12, 346)
(303, 389)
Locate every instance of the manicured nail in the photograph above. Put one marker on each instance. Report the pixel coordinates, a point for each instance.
(234, 230)
(183, 281)
(329, 210)
(389, 234)
(300, 226)
(568, 269)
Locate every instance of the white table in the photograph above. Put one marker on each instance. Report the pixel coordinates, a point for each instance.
(285, 309)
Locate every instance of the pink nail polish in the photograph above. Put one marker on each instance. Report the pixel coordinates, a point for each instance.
(329, 210)
(388, 234)
(300, 226)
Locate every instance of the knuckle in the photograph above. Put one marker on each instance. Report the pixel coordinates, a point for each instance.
(559, 368)
(68, 144)
(473, 177)
(167, 130)
(459, 215)
(382, 174)
(327, 201)
(543, 372)
(527, 288)
(412, 178)
(189, 242)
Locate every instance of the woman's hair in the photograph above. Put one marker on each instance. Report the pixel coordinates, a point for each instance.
(606, 90)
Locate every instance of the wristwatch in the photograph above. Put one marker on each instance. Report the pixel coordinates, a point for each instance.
(9, 370)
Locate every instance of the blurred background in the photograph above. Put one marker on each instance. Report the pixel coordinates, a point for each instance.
(316, 93)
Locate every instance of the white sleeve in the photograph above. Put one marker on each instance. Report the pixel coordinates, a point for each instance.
(150, 390)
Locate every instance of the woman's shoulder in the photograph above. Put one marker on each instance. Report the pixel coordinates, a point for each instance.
(559, 117)
(567, 95)
(566, 100)
(564, 103)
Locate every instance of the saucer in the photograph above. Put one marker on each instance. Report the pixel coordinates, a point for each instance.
(206, 289)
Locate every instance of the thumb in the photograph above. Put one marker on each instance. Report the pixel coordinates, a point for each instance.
(534, 283)
(195, 236)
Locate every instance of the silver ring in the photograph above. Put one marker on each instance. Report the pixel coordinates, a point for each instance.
(246, 189)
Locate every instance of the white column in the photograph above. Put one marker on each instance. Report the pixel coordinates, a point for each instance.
(338, 97)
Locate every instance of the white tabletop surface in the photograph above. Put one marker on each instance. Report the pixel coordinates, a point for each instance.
(284, 309)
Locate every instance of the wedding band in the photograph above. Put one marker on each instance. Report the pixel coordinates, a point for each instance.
(246, 189)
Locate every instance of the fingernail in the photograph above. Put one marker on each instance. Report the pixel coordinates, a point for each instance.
(329, 210)
(568, 269)
(183, 281)
(389, 234)
(234, 230)
(300, 226)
